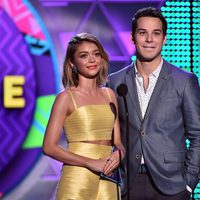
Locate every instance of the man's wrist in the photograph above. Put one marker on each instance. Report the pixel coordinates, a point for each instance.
(188, 188)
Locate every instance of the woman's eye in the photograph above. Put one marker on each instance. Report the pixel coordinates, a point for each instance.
(97, 54)
(83, 56)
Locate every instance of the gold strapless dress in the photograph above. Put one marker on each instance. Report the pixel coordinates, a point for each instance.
(86, 123)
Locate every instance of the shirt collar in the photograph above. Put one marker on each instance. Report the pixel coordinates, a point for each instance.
(155, 73)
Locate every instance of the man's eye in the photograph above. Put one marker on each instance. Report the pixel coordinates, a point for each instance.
(142, 33)
(157, 33)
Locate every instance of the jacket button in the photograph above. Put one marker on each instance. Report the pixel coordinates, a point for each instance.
(142, 133)
(137, 156)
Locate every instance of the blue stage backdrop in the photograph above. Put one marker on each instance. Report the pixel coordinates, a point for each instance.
(34, 36)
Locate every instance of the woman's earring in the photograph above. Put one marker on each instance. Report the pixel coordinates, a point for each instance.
(74, 69)
(75, 75)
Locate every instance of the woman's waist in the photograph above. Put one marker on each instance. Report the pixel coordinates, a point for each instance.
(91, 150)
(100, 142)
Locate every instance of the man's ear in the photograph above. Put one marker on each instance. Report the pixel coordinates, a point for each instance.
(132, 38)
(164, 40)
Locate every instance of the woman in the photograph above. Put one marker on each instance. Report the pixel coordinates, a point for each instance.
(88, 113)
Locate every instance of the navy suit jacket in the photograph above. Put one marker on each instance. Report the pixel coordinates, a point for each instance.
(172, 116)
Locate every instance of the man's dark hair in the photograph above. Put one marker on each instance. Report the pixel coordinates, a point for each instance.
(148, 12)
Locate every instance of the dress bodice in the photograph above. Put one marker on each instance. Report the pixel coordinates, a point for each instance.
(90, 122)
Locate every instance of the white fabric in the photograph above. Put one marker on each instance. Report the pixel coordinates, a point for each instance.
(144, 96)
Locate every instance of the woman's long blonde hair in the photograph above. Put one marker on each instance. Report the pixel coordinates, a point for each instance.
(68, 79)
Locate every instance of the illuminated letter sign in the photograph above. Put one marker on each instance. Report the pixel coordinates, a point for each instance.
(13, 91)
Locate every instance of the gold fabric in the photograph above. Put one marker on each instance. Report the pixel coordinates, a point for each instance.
(91, 122)
(79, 183)
(87, 123)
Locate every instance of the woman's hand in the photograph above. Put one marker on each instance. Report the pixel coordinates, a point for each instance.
(96, 165)
(112, 162)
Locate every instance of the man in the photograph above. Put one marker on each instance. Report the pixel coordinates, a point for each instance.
(164, 110)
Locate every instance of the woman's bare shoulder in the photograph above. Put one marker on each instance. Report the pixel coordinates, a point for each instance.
(63, 97)
(111, 92)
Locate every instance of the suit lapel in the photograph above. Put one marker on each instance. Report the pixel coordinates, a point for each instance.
(132, 91)
(161, 83)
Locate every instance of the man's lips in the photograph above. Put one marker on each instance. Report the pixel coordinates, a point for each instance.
(149, 47)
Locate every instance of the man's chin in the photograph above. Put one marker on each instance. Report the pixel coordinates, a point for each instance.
(142, 59)
(146, 59)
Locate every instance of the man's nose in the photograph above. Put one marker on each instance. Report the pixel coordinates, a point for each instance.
(149, 38)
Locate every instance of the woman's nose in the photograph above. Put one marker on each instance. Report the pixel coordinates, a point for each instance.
(91, 58)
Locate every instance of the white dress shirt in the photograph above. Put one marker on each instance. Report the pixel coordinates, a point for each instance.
(144, 96)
